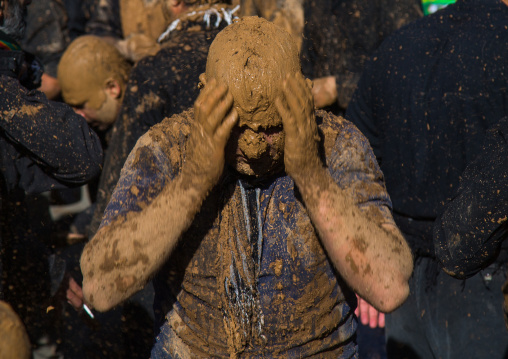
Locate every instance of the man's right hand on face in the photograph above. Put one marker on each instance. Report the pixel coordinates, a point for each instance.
(215, 117)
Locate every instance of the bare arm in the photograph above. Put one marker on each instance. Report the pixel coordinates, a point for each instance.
(123, 255)
(372, 257)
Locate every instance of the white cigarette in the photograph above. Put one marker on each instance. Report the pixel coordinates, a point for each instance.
(88, 311)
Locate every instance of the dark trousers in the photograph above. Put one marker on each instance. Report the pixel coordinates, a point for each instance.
(447, 318)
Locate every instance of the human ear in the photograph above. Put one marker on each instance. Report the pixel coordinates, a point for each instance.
(202, 81)
(113, 88)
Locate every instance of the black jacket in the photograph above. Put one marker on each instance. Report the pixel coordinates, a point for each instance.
(472, 230)
(43, 145)
(425, 102)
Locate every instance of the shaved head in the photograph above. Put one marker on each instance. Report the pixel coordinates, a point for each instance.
(85, 66)
(252, 56)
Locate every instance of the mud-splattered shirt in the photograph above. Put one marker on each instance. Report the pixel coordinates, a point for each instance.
(159, 86)
(270, 291)
(51, 26)
(339, 36)
(425, 101)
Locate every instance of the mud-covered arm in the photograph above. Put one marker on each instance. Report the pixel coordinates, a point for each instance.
(469, 233)
(150, 209)
(54, 143)
(368, 251)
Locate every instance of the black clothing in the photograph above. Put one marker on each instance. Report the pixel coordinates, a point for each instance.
(159, 86)
(46, 34)
(452, 319)
(425, 102)
(79, 13)
(51, 26)
(339, 36)
(43, 145)
(470, 232)
(105, 20)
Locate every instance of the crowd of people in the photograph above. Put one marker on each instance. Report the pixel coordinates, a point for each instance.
(254, 178)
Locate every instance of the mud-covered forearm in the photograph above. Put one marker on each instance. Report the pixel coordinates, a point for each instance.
(372, 257)
(125, 253)
(122, 256)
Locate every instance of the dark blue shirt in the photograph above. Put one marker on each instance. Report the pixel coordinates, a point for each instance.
(251, 273)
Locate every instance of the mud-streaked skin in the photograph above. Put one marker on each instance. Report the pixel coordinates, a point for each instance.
(371, 256)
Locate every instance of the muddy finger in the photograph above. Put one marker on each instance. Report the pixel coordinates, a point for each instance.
(209, 105)
(294, 108)
(288, 120)
(224, 130)
(220, 111)
(204, 94)
(297, 91)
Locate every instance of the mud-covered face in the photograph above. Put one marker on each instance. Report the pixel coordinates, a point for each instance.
(252, 57)
(256, 145)
(99, 118)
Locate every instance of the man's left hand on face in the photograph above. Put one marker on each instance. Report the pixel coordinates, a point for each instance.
(296, 109)
(215, 118)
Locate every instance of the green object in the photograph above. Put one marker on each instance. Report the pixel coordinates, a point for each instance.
(431, 6)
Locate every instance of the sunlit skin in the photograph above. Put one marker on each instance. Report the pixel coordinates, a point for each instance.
(101, 118)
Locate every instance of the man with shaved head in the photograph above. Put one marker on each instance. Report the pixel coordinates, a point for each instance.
(256, 217)
(93, 76)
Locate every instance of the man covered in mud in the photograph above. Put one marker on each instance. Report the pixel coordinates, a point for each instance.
(256, 216)
(162, 85)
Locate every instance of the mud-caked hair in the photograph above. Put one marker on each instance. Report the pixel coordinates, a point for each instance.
(252, 56)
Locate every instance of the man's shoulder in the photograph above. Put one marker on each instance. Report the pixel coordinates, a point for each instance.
(177, 125)
(334, 128)
(185, 54)
(171, 134)
(188, 43)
